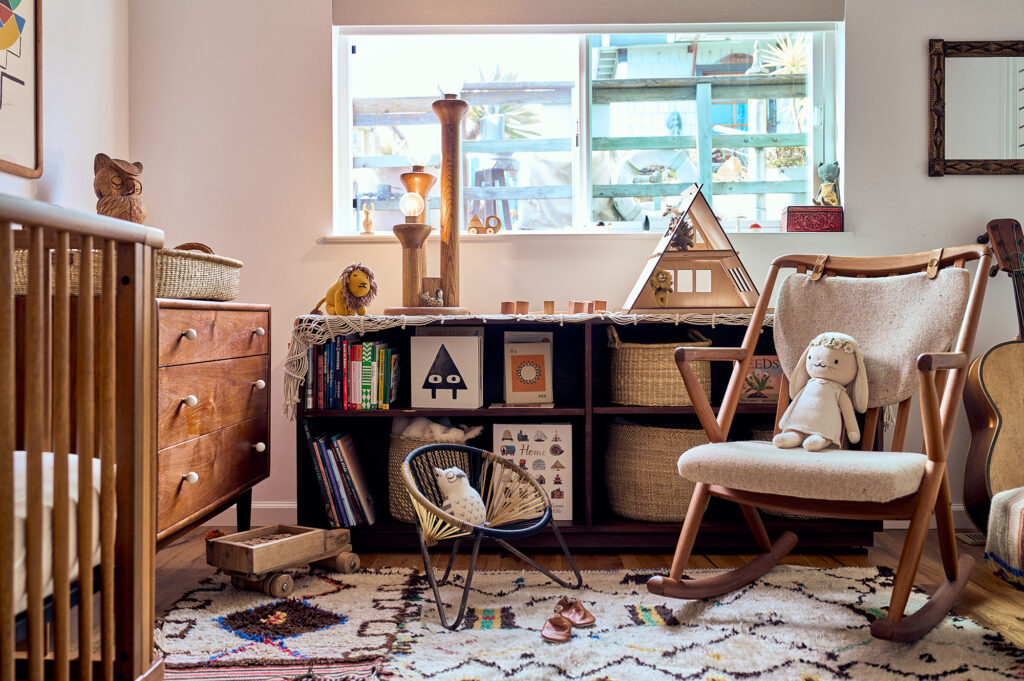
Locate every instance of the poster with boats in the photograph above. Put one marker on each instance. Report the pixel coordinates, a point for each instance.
(545, 451)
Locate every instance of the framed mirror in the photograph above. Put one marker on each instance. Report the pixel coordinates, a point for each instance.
(975, 107)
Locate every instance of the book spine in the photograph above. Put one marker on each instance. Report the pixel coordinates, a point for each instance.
(355, 470)
(344, 375)
(320, 377)
(396, 375)
(385, 380)
(310, 364)
(334, 479)
(366, 377)
(346, 478)
(329, 374)
(355, 371)
(337, 374)
(314, 453)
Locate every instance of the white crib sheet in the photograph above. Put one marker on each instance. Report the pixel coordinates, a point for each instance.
(20, 515)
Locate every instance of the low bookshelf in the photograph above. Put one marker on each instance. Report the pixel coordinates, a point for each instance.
(582, 388)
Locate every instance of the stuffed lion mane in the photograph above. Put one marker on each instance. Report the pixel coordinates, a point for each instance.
(351, 293)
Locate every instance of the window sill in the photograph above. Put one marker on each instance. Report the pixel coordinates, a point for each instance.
(507, 237)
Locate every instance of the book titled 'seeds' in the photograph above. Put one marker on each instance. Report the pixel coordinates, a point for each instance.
(527, 373)
(446, 372)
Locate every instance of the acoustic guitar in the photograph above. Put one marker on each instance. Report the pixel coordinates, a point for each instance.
(994, 393)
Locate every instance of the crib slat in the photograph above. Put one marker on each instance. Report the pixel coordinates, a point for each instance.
(108, 450)
(7, 426)
(85, 419)
(61, 394)
(35, 439)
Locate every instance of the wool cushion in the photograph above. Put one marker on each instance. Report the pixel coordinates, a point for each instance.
(1004, 543)
(893, 319)
(837, 475)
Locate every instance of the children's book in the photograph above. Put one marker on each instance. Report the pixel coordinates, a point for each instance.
(544, 450)
(528, 373)
(761, 385)
(446, 372)
(355, 478)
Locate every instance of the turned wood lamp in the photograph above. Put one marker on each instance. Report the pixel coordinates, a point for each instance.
(412, 234)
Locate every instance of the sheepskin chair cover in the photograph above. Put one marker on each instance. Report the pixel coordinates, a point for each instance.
(894, 319)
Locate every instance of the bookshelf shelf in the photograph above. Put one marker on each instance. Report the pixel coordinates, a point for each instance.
(581, 388)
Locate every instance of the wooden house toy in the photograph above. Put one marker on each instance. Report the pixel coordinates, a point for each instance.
(694, 266)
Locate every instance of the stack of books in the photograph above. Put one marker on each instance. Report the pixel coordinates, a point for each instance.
(347, 499)
(344, 374)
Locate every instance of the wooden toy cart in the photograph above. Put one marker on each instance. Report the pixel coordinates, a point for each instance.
(257, 559)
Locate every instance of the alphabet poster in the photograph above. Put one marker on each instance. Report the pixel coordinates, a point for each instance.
(446, 372)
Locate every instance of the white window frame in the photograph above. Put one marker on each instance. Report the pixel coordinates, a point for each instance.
(823, 144)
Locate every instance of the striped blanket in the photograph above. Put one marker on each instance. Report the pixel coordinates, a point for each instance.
(1004, 547)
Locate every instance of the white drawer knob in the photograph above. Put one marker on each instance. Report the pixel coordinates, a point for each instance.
(189, 333)
(190, 400)
(260, 447)
(191, 477)
(260, 331)
(260, 384)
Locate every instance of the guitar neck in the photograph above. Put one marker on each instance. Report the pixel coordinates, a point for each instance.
(1018, 296)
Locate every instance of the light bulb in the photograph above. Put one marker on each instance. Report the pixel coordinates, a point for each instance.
(411, 204)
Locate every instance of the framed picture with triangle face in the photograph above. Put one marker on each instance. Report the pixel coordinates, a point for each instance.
(446, 372)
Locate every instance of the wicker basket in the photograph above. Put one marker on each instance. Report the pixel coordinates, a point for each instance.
(641, 474)
(400, 504)
(646, 373)
(190, 271)
(194, 272)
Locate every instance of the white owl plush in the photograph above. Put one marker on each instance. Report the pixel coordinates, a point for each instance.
(461, 500)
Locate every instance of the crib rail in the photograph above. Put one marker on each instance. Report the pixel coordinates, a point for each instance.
(77, 376)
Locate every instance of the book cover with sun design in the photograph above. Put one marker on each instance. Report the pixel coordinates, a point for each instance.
(527, 372)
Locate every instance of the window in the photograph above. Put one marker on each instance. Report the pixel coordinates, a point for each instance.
(601, 130)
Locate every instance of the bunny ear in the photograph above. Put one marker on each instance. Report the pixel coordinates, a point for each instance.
(800, 376)
(860, 384)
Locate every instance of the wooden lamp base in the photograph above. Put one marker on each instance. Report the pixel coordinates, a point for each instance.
(426, 310)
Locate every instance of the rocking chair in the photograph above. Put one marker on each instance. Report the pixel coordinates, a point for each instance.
(906, 312)
(517, 506)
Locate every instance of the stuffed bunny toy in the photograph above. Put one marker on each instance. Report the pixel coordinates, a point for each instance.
(821, 405)
(461, 500)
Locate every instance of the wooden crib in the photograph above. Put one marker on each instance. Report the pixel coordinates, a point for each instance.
(77, 378)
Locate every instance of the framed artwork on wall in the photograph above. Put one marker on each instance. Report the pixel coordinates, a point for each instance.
(21, 142)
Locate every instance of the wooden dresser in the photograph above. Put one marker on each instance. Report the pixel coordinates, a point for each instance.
(213, 423)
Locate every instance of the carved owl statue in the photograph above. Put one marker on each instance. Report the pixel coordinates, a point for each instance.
(461, 500)
(118, 188)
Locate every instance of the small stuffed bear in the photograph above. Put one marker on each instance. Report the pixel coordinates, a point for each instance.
(461, 500)
(821, 405)
(828, 191)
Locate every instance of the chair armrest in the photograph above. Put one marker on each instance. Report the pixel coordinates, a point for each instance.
(685, 354)
(940, 361)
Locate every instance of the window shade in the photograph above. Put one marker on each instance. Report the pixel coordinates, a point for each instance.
(547, 15)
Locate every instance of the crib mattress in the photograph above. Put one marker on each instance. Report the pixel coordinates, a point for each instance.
(20, 515)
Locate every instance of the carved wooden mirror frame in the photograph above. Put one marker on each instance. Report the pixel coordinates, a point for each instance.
(938, 50)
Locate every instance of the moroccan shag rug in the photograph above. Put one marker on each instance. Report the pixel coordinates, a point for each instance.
(795, 623)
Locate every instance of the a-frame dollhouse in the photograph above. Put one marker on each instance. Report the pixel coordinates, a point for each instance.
(694, 266)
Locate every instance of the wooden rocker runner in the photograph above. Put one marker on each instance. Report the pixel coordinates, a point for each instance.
(517, 506)
(905, 348)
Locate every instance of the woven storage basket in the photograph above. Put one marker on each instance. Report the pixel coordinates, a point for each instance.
(193, 271)
(400, 504)
(20, 273)
(646, 373)
(641, 473)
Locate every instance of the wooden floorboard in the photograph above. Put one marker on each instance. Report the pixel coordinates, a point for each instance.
(987, 599)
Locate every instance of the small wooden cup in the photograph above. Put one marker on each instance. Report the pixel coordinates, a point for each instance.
(600, 306)
(576, 307)
(590, 306)
(522, 307)
(508, 307)
(549, 307)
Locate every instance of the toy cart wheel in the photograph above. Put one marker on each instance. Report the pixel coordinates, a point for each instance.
(346, 563)
(279, 585)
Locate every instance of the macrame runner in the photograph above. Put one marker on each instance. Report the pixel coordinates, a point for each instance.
(318, 329)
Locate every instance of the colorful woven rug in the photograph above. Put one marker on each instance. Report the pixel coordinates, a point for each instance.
(795, 623)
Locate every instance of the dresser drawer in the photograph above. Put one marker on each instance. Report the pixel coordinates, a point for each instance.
(219, 334)
(226, 392)
(225, 464)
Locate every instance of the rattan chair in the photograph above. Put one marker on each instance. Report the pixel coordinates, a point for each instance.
(516, 504)
(906, 312)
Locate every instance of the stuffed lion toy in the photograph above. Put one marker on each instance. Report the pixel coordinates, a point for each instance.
(355, 289)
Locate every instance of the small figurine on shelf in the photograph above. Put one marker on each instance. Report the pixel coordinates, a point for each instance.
(367, 209)
(828, 192)
(118, 188)
(436, 300)
(351, 293)
(661, 283)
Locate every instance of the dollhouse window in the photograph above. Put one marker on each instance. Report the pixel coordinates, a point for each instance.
(590, 130)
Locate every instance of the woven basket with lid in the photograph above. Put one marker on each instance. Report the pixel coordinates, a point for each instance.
(194, 271)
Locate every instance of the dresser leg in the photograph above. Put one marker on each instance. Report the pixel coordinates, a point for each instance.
(243, 510)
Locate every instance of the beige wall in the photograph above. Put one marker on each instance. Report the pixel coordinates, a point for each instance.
(233, 122)
(85, 99)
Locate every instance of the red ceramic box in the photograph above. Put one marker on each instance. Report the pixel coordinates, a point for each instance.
(812, 219)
